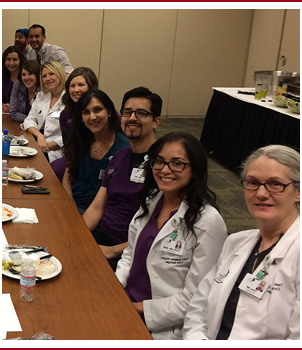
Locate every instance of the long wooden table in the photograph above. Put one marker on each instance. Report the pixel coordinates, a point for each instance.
(85, 301)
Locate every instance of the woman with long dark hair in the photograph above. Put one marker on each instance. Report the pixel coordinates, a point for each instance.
(95, 136)
(12, 60)
(25, 90)
(78, 82)
(159, 275)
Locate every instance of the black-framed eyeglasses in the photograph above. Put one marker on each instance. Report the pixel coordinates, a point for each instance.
(175, 165)
(271, 186)
(139, 113)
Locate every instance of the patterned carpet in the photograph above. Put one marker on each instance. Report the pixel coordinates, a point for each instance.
(223, 182)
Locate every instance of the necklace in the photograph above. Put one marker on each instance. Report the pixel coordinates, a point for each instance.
(96, 149)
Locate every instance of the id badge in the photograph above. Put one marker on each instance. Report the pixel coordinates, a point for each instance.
(55, 114)
(101, 174)
(253, 286)
(168, 245)
(138, 175)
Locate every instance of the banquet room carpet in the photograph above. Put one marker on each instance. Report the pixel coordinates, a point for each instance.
(225, 183)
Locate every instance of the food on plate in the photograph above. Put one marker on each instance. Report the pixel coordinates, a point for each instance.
(46, 267)
(14, 176)
(6, 213)
(13, 261)
(22, 173)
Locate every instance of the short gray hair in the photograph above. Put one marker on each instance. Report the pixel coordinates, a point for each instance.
(282, 154)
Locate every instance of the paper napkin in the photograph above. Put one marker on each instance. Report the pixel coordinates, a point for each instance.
(25, 216)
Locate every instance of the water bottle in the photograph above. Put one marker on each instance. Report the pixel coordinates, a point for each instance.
(5, 144)
(27, 281)
(4, 172)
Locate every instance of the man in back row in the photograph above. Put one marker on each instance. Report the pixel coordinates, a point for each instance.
(43, 52)
(21, 41)
(116, 202)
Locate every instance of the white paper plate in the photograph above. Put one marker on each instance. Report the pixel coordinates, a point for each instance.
(13, 211)
(21, 151)
(53, 259)
(37, 174)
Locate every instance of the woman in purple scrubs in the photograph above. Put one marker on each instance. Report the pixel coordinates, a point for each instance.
(159, 274)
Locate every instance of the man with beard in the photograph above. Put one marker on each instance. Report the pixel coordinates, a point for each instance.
(109, 215)
(43, 52)
(21, 41)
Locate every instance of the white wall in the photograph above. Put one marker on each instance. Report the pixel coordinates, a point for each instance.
(180, 54)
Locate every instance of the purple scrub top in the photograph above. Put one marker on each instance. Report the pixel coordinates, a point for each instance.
(122, 194)
(138, 283)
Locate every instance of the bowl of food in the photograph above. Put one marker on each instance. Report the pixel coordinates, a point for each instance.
(293, 106)
(280, 100)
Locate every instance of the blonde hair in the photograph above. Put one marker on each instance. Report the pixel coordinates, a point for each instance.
(59, 72)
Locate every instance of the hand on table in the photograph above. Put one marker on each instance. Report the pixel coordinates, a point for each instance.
(5, 108)
(42, 143)
(139, 307)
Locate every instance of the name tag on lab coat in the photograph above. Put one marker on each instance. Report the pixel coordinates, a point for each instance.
(253, 286)
(168, 245)
(55, 114)
(138, 175)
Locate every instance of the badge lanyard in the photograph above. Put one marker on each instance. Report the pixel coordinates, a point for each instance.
(176, 225)
(142, 165)
(267, 261)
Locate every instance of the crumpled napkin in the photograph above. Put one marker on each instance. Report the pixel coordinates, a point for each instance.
(25, 216)
(18, 140)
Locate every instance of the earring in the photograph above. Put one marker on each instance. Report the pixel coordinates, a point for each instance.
(109, 115)
(82, 121)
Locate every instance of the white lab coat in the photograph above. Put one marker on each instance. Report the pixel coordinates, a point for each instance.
(40, 116)
(275, 316)
(174, 278)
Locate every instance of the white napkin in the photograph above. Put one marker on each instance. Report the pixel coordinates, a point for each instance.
(25, 216)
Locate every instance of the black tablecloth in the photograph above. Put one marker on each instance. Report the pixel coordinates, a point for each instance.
(234, 128)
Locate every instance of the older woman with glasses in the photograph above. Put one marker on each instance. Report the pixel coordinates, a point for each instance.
(176, 236)
(254, 290)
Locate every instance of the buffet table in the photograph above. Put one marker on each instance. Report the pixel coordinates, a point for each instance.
(237, 124)
(84, 301)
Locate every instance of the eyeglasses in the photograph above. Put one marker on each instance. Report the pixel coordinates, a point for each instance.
(139, 113)
(175, 165)
(271, 186)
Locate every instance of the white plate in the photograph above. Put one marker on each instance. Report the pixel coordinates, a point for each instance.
(12, 209)
(38, 177)
(53, 259)
(22, 151)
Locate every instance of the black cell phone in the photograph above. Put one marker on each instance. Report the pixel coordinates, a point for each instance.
(35, 189)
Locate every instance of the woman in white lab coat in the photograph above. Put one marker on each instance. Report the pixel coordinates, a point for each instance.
(254, 290)
(43, 118)
(175, 238)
